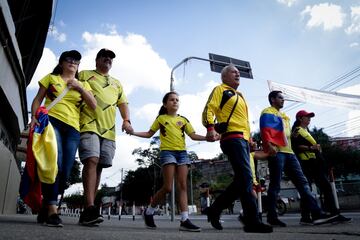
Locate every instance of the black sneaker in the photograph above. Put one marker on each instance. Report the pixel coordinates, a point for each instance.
(54, 221)
(341, 219)
(149, 220)
(42, 215)
(306, 221)
(90, 216)
(213, 218)
(323, 218)
(258, 228)
(187, 225)
(276, 222)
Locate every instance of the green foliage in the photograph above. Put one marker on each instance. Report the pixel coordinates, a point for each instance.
(139, 185)
(222, 182)
(75, 200)
(343, 161)
(75, 175)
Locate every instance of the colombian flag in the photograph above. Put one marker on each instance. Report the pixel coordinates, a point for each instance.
(272, 129)
(41, 160)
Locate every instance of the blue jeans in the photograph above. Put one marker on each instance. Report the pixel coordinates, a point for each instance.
(288, 163)
(67, 139)
(237, 151)
(174, 157)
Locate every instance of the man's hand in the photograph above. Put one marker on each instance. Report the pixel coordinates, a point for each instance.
(126, 126)
(212, 135)
(272, 149)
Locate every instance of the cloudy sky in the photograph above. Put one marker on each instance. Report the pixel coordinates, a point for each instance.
(297, 42)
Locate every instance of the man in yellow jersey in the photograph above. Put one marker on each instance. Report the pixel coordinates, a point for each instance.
(275, 132)
(229, 106)
(97, 127)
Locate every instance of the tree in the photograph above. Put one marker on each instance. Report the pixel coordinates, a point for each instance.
(141, 184)
(75, 175)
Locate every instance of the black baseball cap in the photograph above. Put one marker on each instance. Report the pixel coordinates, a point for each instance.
(72, 53)
(105, 53)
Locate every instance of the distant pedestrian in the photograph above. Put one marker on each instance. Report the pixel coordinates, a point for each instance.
(173, 157)
(309, 153)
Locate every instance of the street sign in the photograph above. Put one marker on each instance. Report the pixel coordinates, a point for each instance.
(218, 62)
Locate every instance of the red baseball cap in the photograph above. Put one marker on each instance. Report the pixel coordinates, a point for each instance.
(303, 113)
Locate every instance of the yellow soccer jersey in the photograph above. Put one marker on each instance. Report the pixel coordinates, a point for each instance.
(172, 131)
(220, 104)
(287, 131)
(67, 109)
(252, 166)
(109, 95)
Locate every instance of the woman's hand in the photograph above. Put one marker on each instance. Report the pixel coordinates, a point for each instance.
(34, 122)
(74, 84)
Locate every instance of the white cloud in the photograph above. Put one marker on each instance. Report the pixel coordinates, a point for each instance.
(288, 3)
(136, 65)
(47, 63)
(354, 44)
(355, 21)
(58, 36)
(62, 23)
(328, 16)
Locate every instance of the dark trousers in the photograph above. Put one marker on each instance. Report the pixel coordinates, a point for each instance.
(237, 151)
(314, 171)
(288, 163)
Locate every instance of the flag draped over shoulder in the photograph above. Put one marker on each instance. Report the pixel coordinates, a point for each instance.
(272, 129)
(41, 160)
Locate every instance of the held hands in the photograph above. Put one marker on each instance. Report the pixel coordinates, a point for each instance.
(126, 126)
(212, 136)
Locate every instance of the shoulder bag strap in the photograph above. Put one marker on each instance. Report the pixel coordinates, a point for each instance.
(56, 100)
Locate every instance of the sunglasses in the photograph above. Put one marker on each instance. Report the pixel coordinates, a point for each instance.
(72, 60)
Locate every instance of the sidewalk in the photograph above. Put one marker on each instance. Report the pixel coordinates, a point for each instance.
(24, 227)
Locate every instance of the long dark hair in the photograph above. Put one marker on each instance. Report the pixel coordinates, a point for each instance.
(58, 71)
(295, 125)
(163, 109)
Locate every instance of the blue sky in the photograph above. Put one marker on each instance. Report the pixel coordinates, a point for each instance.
(297, 42)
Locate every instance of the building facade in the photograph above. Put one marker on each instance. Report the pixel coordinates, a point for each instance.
(23, 29)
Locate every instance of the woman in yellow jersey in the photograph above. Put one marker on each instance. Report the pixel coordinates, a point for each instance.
(173, 157)
(308, 151)
(64, 117)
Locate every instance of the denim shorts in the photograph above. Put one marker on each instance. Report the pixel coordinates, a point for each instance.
(92, 145)
(174, 157)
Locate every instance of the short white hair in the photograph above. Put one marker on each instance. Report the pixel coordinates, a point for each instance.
(226, 69)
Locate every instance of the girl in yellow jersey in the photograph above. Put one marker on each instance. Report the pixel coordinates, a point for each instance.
(173, 157)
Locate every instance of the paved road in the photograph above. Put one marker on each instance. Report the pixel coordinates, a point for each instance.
(24, 227)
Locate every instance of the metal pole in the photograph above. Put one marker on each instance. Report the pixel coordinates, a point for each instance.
(191, 188)
(173, 201)
(121, 192)
(333, 188)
